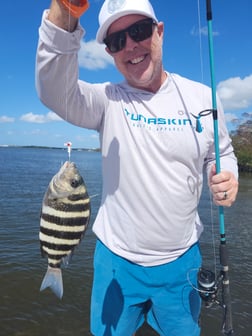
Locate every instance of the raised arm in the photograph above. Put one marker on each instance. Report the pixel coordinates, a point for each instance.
(57, 69)
(61, 16)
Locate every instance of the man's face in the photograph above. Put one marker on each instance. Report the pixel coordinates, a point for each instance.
(140, 62)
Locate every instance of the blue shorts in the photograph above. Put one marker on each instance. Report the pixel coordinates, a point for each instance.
(126, 294)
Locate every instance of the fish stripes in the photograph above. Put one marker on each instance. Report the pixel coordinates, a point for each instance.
(64, 219)
(69, 207)
(67, 222)
(67, 235)
(74, 204)
(77, 197)
(64, 212)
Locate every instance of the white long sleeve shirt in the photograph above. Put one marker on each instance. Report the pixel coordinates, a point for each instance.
(154, 148)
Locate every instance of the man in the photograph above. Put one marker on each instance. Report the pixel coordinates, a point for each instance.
(155, 142)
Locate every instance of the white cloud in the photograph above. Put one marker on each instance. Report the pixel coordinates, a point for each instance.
(40, 118)
(36, 131)
(196, 31)
(93, 56)
(230, 117)
(236, 92)
(87, 135)
(5, 119)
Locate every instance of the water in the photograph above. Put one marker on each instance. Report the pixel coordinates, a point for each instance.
(25, 311)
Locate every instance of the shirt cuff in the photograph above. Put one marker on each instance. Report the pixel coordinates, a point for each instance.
(60, 40)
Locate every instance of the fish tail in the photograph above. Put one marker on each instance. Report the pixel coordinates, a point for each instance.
(53, 280)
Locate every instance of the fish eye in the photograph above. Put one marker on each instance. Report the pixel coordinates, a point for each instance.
(74, 183)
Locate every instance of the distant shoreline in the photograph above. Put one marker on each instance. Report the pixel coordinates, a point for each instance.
(47, 147)
(242, 168)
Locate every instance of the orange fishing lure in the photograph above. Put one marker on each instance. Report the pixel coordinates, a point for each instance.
(76, 10)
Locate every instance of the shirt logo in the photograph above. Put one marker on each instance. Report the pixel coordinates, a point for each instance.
(157, 123)
(168, 124)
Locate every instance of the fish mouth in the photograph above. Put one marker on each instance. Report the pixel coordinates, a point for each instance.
(66, 171)
(67, 166)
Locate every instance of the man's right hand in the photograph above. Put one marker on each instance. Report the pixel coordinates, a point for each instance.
(61, 16)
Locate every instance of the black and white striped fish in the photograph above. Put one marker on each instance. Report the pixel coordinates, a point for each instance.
(64, 218)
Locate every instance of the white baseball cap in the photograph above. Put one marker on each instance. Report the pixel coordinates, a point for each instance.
(112, 10)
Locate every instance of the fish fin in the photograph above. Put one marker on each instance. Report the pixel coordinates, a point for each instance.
(43, 253)
(53, 280)
(67, 259)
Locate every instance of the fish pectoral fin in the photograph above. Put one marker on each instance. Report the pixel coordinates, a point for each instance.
(53, 280)
(43, 253)
(67, 259)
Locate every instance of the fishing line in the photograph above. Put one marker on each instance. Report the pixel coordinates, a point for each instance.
(67, 69)
(95, 195)
(200, 44)
(73, 10)
(208, 282)
(68, 144)
(213, 232)
(200, 29)
(209, 192)
(227, 326)
(204, 113)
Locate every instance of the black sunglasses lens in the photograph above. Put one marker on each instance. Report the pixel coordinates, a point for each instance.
(139, 31)
(116, 42)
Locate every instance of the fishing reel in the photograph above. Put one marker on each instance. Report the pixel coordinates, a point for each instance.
(208, 287)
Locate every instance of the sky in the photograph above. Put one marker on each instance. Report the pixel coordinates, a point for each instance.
(24, 120)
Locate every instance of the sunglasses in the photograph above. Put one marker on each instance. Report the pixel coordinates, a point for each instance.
(139, 31)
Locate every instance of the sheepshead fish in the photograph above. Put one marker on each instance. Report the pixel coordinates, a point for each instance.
(64, 218)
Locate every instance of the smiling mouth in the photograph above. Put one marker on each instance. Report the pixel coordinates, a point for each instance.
(137, 60)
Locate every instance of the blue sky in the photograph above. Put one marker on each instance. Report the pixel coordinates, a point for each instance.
(24, 120)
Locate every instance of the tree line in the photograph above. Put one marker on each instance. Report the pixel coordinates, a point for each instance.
(242, 143)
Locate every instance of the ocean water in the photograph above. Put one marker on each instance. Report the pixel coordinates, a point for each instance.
(25, 311)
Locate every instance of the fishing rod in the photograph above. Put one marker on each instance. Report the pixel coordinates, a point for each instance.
(208, 285)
